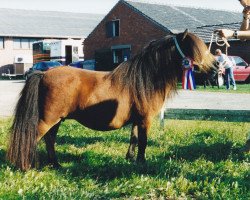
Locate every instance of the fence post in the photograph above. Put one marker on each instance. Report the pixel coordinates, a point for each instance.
(162, 113)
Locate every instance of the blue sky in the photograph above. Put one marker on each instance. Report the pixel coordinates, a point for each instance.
(104, 6)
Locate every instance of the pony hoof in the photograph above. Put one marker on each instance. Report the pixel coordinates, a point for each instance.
(141, 160)
(130, 158)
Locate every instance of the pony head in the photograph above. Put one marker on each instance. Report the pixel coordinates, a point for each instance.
(195, 48)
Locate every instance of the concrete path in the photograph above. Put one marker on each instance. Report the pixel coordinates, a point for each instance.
(9, 92)
(210, 100)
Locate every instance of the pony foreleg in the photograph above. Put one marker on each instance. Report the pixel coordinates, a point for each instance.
(142, 143)
(133, 143)
(50, 139)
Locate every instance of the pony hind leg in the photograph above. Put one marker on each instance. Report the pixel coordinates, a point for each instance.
(48, 130)
(50, 139)
(133, 143)
(142, 144)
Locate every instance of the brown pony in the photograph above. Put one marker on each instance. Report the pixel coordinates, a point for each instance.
(132, 93)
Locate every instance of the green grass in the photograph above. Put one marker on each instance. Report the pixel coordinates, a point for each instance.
(241, 88)
(188, 160)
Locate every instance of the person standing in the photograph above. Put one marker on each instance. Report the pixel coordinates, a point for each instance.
(228, 65)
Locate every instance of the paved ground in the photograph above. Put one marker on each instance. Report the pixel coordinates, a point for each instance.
(9, 92)
(210, 100)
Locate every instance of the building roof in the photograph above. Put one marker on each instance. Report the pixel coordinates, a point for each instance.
(177, 19)
(205, 32)
(30, 23)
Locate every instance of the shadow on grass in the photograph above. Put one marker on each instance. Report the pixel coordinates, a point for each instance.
(83, 141)
(214, 152)
(163, 165)
(78, 141)
(103, 168)
(2, 156)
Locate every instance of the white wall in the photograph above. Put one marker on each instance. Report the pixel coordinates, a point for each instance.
(8, 54)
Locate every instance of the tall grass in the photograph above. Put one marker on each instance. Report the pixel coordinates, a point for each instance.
(186, 160)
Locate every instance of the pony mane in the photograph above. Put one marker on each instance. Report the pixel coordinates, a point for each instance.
(156, 67)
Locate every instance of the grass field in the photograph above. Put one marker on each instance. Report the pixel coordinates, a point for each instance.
(241, 88)
(188, 160)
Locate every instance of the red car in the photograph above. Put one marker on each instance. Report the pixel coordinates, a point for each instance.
(241, 69)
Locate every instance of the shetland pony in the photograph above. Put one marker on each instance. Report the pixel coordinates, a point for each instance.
(133, 93)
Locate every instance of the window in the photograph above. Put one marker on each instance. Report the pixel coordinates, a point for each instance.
(37, 48)
(1, 43)
(120, 55)
(17, 43)
(238, 61)
(113, 28)
(23, 43)
(75, 50)
(117, 56)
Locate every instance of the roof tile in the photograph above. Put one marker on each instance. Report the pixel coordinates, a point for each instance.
(14, 22)
(177, 18)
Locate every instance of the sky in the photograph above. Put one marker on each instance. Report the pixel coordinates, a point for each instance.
(104, 6)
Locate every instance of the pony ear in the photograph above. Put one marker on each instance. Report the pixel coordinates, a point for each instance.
(185, 34)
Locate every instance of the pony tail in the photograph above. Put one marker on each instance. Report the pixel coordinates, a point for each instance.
(22, 145)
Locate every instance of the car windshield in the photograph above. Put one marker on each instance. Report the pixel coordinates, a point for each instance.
(238, 61)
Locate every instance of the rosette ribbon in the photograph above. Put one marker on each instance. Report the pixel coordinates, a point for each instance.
(187, 66)
(188, 81)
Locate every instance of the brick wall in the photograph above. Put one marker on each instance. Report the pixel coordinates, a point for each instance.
(135, 30)
(240, 48)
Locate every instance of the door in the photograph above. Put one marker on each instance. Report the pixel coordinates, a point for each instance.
(68, 54)
(104, 60)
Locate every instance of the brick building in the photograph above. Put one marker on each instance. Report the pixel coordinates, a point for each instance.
(130, 25)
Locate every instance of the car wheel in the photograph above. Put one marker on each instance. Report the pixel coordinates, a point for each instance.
(220, 81)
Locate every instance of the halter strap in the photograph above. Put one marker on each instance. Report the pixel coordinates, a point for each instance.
(178, 47)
